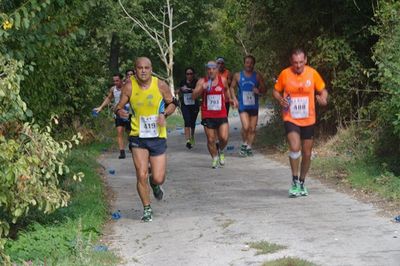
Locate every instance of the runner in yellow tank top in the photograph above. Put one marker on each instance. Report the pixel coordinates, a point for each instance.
(147, 139)
(146, 106)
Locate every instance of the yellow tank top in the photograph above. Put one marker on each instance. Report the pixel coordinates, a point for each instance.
(146, 105)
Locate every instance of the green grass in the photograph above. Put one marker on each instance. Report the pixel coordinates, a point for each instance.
(67, 236)
(288, 261)
(264, 247)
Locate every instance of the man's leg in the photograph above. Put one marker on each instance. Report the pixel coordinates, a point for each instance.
(120, 139)
(186, 117)
(223, 135)
(253, 119)
(244, 119)
(141, 161)
(211, 145)
(158, 166)
(306, 150)
(294, 152)
(294, 158)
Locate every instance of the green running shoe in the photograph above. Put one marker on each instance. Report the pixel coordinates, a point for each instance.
(303, 190)
(214, 164)
(294, 191)
(221, 158)
(243, 151)
(249, 152)
(147, 214)
(192, 141)
(158, 192)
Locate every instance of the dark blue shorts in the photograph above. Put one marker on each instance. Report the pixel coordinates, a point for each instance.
(155, 146)
(251, 112)
(122, 122)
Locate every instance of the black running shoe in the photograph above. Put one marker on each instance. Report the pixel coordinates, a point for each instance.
(122, 154)
(158, 192)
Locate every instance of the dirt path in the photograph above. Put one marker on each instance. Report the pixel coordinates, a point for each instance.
(209, 215)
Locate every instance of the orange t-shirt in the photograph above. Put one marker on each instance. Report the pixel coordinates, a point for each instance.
(301, 89)
(226, 74)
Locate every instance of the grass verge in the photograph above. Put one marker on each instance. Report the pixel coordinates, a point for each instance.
(288, 261)
(70, 235)
(264, 247)
(348, 158)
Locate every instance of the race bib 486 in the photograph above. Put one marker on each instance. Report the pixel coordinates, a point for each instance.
(299, 107)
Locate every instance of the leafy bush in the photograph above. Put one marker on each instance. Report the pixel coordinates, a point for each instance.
(32, 161)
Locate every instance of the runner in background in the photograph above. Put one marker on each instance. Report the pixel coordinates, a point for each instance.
(121, 120)
(224, 72)
(296, 89)
(250, 85)
(189, 106)
(213, 112)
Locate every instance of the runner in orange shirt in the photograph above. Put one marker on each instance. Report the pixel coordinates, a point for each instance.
(296, 90)
(224, 72)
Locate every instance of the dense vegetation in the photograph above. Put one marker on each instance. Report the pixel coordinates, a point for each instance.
(57, 57)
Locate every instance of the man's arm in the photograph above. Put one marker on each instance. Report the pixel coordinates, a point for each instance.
(125, 96)
(106, 101)
(198, 90)
(322, 97)
(229, 79)
(170, 102)
(261, 84)
(232, 88)
(226, 86)
(278, 96)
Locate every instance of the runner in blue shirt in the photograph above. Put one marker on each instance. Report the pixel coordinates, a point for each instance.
(250, 85)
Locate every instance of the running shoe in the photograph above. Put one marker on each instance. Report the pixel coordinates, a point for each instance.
(189, 144)
(214, 164)
(249, 152)
(192, 141)
(294, 191)
(303, 190)
(147, 214)
(158, 192)
(122, 154)
(243, 151)
(221, 158)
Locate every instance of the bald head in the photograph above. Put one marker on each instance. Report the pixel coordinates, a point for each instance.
(142, 60)
(143, 69)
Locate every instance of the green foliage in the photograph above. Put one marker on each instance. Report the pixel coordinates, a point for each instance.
(387, 58)
(32, 161)
(68, 235)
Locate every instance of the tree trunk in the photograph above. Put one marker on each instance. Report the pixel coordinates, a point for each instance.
(114, 53)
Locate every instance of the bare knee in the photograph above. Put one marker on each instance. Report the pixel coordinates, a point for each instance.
(306, 154)
(158, 179)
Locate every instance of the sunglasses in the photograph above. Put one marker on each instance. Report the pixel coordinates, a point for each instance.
(189, 73)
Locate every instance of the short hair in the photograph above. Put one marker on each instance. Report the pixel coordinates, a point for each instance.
(220, 59)
(297, 51)
(251, 57)
(128, 70)
(118, 75)
(190, 68)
